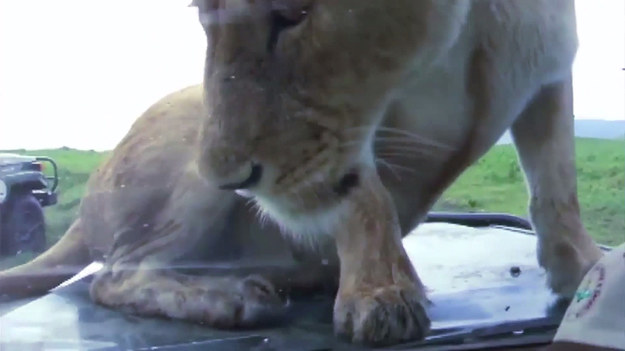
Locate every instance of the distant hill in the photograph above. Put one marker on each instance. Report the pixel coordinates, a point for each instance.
(588, 128)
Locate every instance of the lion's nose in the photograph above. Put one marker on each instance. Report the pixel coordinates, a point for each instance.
(249, 176)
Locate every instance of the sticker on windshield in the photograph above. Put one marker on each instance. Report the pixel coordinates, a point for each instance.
(588, 292)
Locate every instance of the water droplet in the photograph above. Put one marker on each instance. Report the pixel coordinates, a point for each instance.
(325, 262)
(232, 77)
(145, 225)
(123, 185)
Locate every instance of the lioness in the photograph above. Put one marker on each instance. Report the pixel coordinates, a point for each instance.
(323, 132)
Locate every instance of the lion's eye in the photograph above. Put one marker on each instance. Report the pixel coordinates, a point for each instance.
(282, 19)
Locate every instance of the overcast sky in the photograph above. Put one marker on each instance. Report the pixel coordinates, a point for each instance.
(78, 73)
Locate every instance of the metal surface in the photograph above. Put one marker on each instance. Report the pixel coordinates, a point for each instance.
(479, 219)
(9, 158)
(478, 300)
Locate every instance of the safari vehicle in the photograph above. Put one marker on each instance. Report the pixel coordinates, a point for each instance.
(24, 191)
(481, 300)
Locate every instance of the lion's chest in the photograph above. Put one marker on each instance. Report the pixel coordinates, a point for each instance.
(467, 95)
(434, 104)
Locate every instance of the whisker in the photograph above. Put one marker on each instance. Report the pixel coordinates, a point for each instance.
(403, 155)
(414, 136)
(402, 168)
(395, 143)
(400, 143)
(389, 166)
(402, 139)
(418, 138)
(408, 150)
(260, 215)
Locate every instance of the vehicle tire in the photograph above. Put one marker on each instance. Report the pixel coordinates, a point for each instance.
(23, 226)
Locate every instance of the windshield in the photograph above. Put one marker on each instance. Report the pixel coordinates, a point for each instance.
(219, 162)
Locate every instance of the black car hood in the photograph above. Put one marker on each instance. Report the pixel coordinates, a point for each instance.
(485, 286)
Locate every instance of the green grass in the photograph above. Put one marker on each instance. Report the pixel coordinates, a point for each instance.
(494, 184)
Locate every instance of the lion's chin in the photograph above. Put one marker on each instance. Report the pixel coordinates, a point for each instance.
(308, 210)
(303, 220)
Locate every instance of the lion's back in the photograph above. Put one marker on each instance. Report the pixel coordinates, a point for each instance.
(148, 161)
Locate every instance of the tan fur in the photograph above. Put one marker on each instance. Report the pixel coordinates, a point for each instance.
(402, 94)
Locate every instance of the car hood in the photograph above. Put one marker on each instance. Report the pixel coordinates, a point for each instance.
(478, 302)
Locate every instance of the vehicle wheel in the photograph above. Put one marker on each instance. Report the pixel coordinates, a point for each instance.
(23, 226)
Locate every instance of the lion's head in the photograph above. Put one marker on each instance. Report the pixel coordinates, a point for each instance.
(295, 90)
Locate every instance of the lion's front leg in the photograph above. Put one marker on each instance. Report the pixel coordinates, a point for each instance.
(381, 299)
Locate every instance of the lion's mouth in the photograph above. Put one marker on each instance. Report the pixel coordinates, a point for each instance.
(255, 174)
(244, 193)
(342, 188)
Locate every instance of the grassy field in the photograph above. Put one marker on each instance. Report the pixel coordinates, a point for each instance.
(494, 184)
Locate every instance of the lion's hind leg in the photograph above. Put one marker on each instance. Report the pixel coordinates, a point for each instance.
(221, 302)
(140, 275)
(544, 139)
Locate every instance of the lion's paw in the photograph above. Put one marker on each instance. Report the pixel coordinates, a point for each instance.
(238, 303)
(384, 316)
(261, 298)
(566, 265)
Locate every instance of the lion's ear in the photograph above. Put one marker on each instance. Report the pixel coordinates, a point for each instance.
(193, 3)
